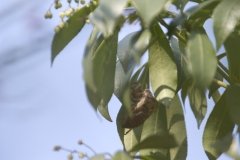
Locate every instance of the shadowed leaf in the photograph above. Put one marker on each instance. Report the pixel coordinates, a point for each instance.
(124, 50)
(177, 128)
(233, 56)
(225, 17)
(181, 62)
(218, 125)
(229, 145)
(155, 125)
(214, 87)
(233, 102)
(198, 103)
(156, 141)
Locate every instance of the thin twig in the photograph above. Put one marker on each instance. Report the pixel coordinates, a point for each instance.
(89, 148)
(224, 75)
(223, 67)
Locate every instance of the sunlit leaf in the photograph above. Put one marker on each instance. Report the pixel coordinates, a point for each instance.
(214, 87)
(124, 50)
(232, 47)
(233, 102)
(156, 141)
(225, 17)
(74, 25)
(162, 67)
(198, 103)
(177, 128)
(218, 125)
(148, 9)
(181, 62)
(105, 17)
(120, 155)
(201, 58)
(229, 145)
(98, 157)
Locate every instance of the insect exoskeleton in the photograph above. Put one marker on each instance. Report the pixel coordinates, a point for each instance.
(142, 107)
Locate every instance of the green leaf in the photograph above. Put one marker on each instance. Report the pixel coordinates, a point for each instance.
(108, 80)
(181, 61)
(185, 89)
(232, 47)
(203, 9)
(122, 79)
(156, 141)
(91, 47)
(229, 145)
(93, 97)
(74, 25)
(105, 17)
(139, 44)
(198, 103)
(98, 157)
(124, 50)
(201, 58)
(156, 124)
(120, 155)
(218, 125)
(133, 137)
(148, 9)
(233, 102)
(119, 120)
(144, 77)
(214, 87)
(99, 69)
(162, 67)
(225, 17)
(177, 128)
(175, 23)
(136, 74)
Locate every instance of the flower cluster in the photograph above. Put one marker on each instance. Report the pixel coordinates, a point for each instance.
(68, 12)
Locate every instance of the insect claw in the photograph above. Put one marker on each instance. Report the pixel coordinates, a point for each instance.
(127, 132)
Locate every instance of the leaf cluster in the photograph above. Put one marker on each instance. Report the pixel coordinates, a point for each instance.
(183, 60)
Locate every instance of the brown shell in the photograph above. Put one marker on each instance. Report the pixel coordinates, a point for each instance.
(142, 107)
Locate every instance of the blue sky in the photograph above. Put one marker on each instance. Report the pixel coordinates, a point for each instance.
(44, 106)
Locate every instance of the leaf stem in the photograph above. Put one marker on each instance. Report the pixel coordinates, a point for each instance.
(220, 83)
(223, 67)
(89, 148)
(224, 75)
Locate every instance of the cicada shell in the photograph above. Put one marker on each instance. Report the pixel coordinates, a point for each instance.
(142, 107)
